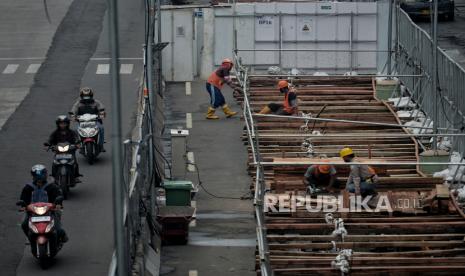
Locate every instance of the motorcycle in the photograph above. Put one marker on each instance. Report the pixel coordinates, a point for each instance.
(63, 167)
(89, 133)
(43, 236)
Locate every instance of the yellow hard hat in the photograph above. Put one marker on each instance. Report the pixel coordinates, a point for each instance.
(345, 152)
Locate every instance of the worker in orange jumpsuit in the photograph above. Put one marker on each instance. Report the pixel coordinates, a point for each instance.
(288, 106)
(214, 85)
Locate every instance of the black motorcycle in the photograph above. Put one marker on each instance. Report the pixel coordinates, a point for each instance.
(63, 167)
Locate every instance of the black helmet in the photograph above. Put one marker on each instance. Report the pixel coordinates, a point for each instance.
(62, 119)
(86, 93)
(39, 172)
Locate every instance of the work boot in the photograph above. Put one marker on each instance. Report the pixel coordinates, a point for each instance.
(228, 112)
(211, 114)
(265, 110)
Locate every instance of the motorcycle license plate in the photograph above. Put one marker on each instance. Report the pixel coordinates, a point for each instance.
(64, 156)
(41, 219)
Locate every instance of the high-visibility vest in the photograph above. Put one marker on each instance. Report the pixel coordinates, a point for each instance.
(286, 106)
(215, 80)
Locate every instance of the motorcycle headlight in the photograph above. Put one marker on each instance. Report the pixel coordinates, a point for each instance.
(63, 149)
(40, 210)
(50, 226)
(33, 227)
(88, 132)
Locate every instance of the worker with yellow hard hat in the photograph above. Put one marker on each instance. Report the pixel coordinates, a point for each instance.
(319, 178)
(362, 179)
(289, 104)
(214, 85)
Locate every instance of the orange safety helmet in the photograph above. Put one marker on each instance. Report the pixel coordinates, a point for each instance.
(283, 84)
(325, 169)
(227, 61)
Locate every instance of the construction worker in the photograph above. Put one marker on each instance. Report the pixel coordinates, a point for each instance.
(214, 84)
(320, 177)
(362, 179)
(289, 104)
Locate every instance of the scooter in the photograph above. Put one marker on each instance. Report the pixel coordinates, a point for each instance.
(43, 236)
(63, 166)
(89, 133)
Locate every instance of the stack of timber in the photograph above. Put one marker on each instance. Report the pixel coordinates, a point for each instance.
(424, 232)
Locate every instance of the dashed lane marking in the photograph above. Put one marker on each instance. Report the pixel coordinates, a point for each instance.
(193, 273)
(188, 88)
(103, 69)
(33, 68)
(126, 69)
(189, 120)
(10, 69)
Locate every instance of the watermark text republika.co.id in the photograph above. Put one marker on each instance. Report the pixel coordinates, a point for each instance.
(284, 203)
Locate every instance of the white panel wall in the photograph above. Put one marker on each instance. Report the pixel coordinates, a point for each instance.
(308, 25)
(178, 57)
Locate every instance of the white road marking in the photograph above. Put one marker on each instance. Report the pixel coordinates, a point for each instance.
(188, 88)
(33, 68)
(10, 69)
(126, 69)
(123, 58)
(189, 120)
(103, 69)
(190, 158)
(193, 273)
(43, 58)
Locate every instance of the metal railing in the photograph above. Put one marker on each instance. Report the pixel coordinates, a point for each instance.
(252, 134)
(139, 190)
(414, 56)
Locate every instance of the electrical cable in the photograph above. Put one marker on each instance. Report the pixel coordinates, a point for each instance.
(243, 197)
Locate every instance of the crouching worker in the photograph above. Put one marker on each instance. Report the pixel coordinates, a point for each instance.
(362, 179)
(320, 178)
(214, 85)
(288, 106)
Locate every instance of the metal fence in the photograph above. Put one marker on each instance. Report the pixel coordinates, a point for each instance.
(140, 178)
(414, 56)
(252, 134)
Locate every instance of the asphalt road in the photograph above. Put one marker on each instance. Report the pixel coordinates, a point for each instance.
(77, 56)
(451, 34)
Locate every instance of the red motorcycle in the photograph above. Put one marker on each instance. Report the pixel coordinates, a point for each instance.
(43, 235)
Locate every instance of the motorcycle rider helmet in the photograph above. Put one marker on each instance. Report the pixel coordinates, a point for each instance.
(62, 119)
(86, 93)
(39, 172)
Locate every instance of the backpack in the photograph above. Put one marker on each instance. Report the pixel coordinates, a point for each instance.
(39, 194)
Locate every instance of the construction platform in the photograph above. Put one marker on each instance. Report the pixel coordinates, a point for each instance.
(422, 234)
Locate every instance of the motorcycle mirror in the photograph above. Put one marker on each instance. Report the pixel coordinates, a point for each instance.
(46, 144)
(21, 203)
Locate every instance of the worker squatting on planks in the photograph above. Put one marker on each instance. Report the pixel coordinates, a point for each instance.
(362, 179)
(288, 106)
(215, 84)
(320, 178)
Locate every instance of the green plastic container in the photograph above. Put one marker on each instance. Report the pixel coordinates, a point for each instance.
(178, 193)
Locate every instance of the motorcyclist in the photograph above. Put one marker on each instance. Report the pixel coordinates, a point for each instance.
(41, 190)
(88, 105)
(62, 134)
